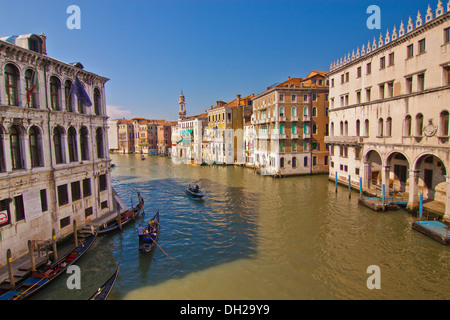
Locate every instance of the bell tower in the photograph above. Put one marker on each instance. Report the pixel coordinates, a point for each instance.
(182, 104)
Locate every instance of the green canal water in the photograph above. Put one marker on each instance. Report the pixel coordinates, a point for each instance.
(257, 238)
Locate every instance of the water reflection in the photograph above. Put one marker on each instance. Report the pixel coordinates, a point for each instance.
(256, 237)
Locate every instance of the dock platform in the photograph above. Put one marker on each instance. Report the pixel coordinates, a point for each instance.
(434, 229)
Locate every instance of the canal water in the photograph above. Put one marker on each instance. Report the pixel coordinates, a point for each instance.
(258, 238)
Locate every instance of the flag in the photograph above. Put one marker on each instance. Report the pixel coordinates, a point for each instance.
(34, 85)
(80, 93)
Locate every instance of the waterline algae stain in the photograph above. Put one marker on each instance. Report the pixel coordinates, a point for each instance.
(257, 238)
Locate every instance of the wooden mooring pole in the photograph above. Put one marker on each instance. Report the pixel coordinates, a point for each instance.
(349, 186)
(31, 251)
(10, 268)
(55, 251)
(75, 235)
(336, 181)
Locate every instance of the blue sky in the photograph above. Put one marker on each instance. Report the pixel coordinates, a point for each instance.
(210, 49)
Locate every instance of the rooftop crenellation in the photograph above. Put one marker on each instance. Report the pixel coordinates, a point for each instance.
(412, 25)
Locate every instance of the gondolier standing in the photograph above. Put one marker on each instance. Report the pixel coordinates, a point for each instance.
(140, 231)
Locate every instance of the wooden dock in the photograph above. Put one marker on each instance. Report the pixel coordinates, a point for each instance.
(434, 229)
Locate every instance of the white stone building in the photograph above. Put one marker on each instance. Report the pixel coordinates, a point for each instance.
(54, 160)
(389, 107)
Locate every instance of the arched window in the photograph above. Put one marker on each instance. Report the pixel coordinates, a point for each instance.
(58, 143)
(55, 87)
(281, 111)
(281, 162)
(68, 96)
(35, 141)
(97, 105)
(72, 144)
(341, 128)
(407, 131)
(84, 144)
(294, 162)
(443, 124)
(305, 161)
(314, 128)
(11, 85)
(99, 140)
(419, 125)
(16, 148)
(332, 129)
(294, 112)
(346, 128)
(29, 83)
(358, 128)
(314, 111)
(366, 128)
(305, 111)
(380, 127)
(388, 127)
(282, 129)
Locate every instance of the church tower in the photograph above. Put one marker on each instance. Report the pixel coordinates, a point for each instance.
(182, 103)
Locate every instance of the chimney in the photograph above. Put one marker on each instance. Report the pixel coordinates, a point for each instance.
(289, 77)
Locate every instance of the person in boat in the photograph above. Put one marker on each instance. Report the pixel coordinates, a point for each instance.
(151, 228)
(140, 231)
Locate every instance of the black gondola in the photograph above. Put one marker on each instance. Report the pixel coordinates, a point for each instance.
(149, 241)
(194, 192)
(47, 273)
(103, 292)
(129, 216)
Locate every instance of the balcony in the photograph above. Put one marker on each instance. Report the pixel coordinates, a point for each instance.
(282, 118)
(344, 140)
(306, 135)
(294, 119)
(294, 136)
(276, 136)
(306, 118)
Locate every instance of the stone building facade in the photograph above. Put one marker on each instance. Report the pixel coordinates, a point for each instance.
(54, 160)
(389, 109)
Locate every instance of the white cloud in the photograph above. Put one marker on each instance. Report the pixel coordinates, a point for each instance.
(116, 112)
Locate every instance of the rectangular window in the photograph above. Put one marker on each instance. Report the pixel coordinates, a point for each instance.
(421, 82)
(86, 188)
(88, 212)
(369, 68)
(368, 95)
(358, 97)
(347, 77)
(20, 210)
(104, 204)
(64, 222)
(447, 75)
(381, 91)
(409, 85)
(314, 161)
(390, 89)
(391, 59)
(383, 63)
(447, 35)
(281, 97)
(422, 46)
(63, 197)
(76, 191)
(44, 205)
(358, 72)
(294, 146)
(102, 182)
(410, 51)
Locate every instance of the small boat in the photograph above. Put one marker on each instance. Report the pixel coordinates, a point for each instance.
(148, 242)
(103, 292)
(129, 216)
(142, 157)
(194, 192)
(46, 273)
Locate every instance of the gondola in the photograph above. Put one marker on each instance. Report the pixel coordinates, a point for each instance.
(103, 292)
(148, 242)
(47, 273)
(129, 216)
(194, 193)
